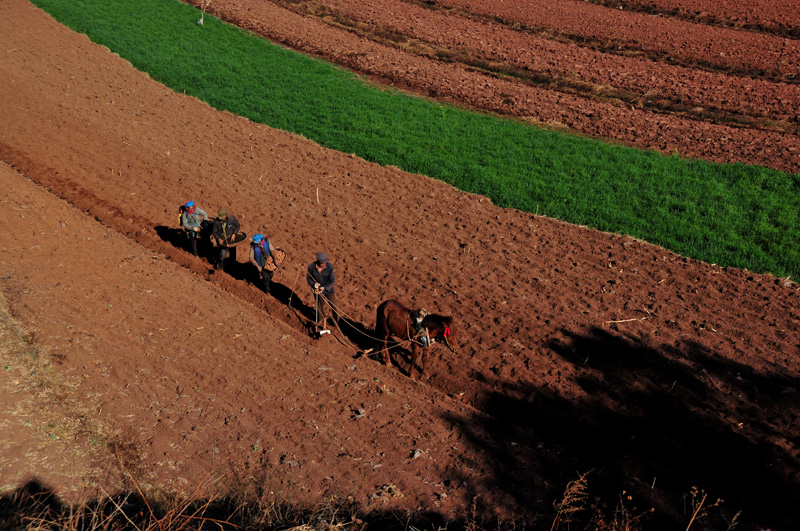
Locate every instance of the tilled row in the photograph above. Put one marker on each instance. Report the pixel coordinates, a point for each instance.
(467, 86)
(142, 232)
(677, 41)
(558, 64)
(779, 18)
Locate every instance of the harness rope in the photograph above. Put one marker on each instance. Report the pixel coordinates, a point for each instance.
(411, 339)
(346, 316)
(303, 319)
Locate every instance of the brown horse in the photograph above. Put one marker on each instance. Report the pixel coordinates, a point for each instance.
(423, 329)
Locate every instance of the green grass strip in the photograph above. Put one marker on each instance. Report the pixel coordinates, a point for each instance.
(729, 214)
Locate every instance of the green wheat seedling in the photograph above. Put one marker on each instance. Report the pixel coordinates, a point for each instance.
(727, 214)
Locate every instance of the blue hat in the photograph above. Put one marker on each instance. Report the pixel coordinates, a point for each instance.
(257, 238)
(322, 258)
(190, 204)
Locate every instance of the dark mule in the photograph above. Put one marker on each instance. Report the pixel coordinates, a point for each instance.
(420, 327)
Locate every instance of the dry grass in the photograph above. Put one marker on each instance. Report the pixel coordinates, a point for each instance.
(34, 508)
(255, 506)
(572, 502)
(573, 512)
(54, 414)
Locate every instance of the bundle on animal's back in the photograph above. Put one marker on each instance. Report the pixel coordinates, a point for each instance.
(423, 329)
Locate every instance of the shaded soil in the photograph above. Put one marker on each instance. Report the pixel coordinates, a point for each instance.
(580, 351)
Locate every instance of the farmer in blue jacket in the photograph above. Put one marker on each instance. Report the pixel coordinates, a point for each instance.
(260, 250)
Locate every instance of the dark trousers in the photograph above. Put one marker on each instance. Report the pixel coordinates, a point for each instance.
(326, 304)
(194, 236)
(266, 280)
(224, 253)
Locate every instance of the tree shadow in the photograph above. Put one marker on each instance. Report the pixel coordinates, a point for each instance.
(34, 504)
(651, 421)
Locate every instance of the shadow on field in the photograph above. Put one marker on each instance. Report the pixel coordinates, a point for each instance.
(653, 424)
(241, 270)
(35, 504)
(178, 239)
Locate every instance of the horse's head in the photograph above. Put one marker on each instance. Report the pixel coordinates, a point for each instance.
(442, 329)
(449, 336)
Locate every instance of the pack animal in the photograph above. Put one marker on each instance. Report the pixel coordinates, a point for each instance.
(423, 329)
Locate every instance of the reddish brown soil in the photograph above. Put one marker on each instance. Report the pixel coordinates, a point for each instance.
(631, 123)
(778, 17)
(580, 351)
(33, 438)
(714, 47)
(580, 69)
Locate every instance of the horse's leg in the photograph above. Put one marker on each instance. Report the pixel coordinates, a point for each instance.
(414, 359)
(385, 350)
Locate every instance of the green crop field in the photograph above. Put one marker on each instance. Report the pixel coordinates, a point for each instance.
(729, 214)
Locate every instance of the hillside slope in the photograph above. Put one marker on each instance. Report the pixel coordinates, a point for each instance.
(579, 350)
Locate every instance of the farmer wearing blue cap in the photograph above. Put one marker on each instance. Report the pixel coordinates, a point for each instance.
(195, 222)
(260, 250)
(320, 278)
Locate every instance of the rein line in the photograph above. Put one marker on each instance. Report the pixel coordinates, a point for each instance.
(412, 339)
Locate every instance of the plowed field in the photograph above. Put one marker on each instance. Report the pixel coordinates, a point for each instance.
(580, 351)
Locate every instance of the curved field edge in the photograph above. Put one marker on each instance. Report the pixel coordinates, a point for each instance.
(732, 215)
